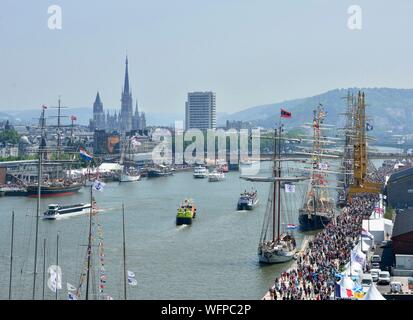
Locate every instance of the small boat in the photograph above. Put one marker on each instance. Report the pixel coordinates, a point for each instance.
(216, 176)
(186, 212)
(129, 175)
(222, 166)
(200, 172)
(56, 211)
(248, 200)
(160, 171)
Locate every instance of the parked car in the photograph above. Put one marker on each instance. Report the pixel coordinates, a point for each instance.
(375, 274)
(384, 277)
(375, 265)
(366, 280)
(375, 258)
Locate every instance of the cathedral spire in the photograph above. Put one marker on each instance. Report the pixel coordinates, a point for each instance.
(126, 84)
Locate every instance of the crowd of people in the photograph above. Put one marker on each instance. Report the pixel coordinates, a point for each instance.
(314, 275)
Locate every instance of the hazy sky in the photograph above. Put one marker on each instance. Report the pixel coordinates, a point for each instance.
(248, 52)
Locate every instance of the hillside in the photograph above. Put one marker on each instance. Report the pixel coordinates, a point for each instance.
(387, 108)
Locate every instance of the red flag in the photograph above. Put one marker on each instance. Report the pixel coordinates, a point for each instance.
(73, 118)
(44, 107)
(285, 114)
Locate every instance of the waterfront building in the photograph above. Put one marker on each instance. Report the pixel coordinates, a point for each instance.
(402, 236)
(399, 189)
(200, 111)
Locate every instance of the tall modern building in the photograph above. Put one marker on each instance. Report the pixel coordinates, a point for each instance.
(200, 111)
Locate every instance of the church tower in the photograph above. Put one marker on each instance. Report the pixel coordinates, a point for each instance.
(126, 111)
(98, 114)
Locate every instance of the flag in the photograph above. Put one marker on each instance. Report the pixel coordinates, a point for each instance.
(44, 107)
(73, 118)
(98, 185)
(369, 127)
(135, 142)
(285, 114)
(72, 296)
(289, 188)
(366, 234)
(131, 274)
(132, 281)
(323, 166)
(358, 256)
(108, 298)
(85, 155)
(291, 226)
(70, 287)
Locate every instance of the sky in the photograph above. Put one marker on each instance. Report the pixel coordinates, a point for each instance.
(248, 52)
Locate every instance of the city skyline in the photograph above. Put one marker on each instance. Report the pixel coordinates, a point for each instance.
(248, 54)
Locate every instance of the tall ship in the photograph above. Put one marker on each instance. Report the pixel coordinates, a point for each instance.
(248, 200)
(200, 172)
(129, 172)
(277, 242)
(186, 212)
(160, 171)
(54, 189)
(318, 208)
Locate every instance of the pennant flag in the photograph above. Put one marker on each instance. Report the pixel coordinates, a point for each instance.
(72, 296)
(132, 281)
(85, 155)
(73, 118)
(285, 114)
(131, 274)
(289, 188)
(44, 107)
(291, 226)
(359, 257)
(323, 166)
(98, 185)
(369, 127)
(70, 287)
(366, 234)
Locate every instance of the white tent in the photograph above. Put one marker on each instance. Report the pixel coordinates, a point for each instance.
(106, 167)
(373, 294)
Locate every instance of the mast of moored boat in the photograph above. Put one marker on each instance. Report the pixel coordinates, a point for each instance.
(89, 246)
(44, 267)
(11, 253)
(275, 186)
(125, 279)
(57, 264)
(279, 182)
(39, 188)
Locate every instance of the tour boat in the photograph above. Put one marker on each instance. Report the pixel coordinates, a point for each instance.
(216, 176)
(200, 172)
(248, 200)
(56, 211)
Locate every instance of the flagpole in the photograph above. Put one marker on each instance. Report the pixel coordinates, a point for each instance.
(124, 253)
(89, 247)
(11, 254)
(44, 267)
(57, 265)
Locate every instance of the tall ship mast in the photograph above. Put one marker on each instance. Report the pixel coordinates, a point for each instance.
(318, 208)
(277, 243)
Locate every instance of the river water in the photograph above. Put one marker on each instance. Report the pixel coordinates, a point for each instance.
(215, 258)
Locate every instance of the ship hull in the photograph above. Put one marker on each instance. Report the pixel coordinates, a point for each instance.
(275, 257)
(315, 222)
(157, 174)
(67, 214)
(128, 178)
(52, 191)
(181, 221)
(247, 206)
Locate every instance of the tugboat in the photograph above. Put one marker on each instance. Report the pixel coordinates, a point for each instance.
(200, 172)
(216, 176)
(56, 211)
(186, 212)
(248, 200)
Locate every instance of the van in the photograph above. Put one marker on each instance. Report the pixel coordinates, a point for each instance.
(366, 280)
(384, 277)
(375, 274)
(375, 258)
